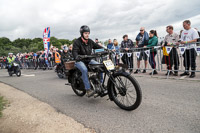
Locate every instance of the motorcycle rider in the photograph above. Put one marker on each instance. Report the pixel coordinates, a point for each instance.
(10, 60)
(83, 46)
(70, 50)
(66, 54)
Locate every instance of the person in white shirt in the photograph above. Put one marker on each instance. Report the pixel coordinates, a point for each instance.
(171, 38)
(188, 37)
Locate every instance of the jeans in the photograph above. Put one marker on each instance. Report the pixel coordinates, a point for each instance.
(82, 67)
(152, 61)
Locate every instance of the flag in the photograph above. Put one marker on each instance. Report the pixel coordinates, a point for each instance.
(129, 54)
(147, 52)
(198, 50)
(137, 54)
(168, 49)
(121, 54)
(46, 42)
(182, 50)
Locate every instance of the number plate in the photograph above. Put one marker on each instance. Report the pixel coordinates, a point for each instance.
(109, 64)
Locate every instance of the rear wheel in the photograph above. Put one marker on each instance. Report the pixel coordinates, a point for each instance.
(77, 85)
(128, 96)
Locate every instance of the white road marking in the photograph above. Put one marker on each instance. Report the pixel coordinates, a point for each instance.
(183, 77)
(30, 75)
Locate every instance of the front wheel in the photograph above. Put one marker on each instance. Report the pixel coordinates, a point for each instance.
(60, 73)
(18, 73)
(10, 73)
(127, 95)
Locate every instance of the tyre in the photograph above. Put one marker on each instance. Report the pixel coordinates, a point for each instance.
(60, 74)
(128, 96)
(78, 86)
(18, 73)
(10, 73)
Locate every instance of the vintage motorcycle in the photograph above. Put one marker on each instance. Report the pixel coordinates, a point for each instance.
(120, 86)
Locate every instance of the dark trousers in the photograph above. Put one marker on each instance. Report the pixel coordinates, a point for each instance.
(128, 60)
(171, 60)
(190, 59)
(152, 61)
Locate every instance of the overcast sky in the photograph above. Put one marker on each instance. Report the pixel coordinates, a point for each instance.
(106, 18)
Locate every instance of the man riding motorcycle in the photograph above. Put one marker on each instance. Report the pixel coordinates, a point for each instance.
(10, 60)
(66, 54)
(83, 46)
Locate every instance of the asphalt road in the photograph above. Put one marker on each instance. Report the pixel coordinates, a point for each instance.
(168, 105)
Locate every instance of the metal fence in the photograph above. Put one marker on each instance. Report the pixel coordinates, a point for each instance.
(168, 58)
(33, 63)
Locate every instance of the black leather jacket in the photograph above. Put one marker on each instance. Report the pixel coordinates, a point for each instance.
(80, 48)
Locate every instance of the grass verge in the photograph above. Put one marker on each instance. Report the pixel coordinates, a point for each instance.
(3, 103)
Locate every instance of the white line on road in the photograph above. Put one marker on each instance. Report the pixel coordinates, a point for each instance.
(30, 75)
(183, 77)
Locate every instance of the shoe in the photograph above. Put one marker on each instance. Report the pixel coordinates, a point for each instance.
(131, 71)
(144, 71)
(137, 71)
(154, 72)
(185, 73)
(90, 93)
(169, 73)
(175, 74)
(192, 75)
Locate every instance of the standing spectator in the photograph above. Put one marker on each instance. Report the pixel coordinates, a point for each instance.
(4, 62)
(96, 40)
(110, 45)
(172, 59)
(189, 37)
(141, 41)
(198, 40)
(153, 41)
(1, 62)
(126, 46)
(116, 50)
(180, 33)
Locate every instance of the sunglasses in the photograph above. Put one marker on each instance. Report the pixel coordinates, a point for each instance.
(141, 30)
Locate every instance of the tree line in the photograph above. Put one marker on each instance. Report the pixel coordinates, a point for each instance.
(22, 45)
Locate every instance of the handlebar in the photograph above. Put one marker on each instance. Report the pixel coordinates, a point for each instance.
(79, 57)
(99, 54)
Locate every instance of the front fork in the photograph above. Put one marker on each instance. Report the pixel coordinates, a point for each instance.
(122, 89)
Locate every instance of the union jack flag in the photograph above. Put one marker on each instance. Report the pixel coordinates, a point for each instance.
(46, 41)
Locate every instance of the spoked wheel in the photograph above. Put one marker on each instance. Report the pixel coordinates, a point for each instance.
(128, 96)
(78, 86)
